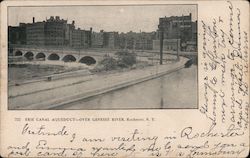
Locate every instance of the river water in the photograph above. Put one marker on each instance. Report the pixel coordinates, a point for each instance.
(172, 91)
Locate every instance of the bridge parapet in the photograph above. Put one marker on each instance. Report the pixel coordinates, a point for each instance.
(85, 57)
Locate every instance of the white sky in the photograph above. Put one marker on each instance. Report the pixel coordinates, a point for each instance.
(108, 18)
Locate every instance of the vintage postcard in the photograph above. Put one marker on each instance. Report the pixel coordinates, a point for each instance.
(124, 78)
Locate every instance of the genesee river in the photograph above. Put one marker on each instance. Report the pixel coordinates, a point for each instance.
(175, 90)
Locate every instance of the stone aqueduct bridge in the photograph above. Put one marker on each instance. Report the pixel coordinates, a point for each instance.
(88, 57)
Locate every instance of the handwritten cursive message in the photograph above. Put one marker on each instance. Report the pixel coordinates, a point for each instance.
(137, 143)
(224, 62)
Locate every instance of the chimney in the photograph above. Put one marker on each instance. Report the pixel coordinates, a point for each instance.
(33, 19)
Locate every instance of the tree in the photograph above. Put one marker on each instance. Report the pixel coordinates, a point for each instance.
(108, 63)
(126, 59)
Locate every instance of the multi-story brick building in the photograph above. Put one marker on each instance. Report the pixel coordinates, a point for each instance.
(17, 34)
(52, 32)
(177, 27)
(55, 31)
(111, 40)
(137, 41)
(81, 38)
(35, 33)
(76, 38)
(97, 39)
(144, 40)
(86, 38)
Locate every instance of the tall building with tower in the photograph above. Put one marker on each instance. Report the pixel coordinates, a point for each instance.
(55, 31)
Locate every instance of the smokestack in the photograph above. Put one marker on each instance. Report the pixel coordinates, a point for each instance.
(33, 19)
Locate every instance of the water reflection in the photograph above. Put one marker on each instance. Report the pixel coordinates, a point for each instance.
(175, 90)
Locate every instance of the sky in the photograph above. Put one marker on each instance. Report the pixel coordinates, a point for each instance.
(108, 18)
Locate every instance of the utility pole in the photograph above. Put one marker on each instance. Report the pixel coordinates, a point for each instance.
(161, 43)
(134, 42)
(79, 53)
(125, 43)
(178, 57)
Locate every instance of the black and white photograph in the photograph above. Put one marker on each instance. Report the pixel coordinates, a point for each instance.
(102, 57)
(124, 78)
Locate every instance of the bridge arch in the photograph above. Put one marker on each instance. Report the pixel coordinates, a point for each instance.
(41, 56)
(88, 60)
(18, 53)
(53, 56)
(69, 58)
(29, 55)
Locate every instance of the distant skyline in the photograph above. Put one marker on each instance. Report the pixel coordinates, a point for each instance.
(108, 18)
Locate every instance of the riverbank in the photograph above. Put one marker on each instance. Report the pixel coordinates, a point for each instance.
(47, 95)
(26, 71)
